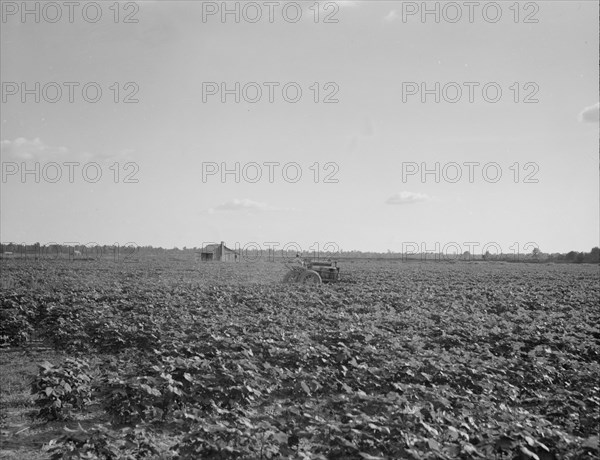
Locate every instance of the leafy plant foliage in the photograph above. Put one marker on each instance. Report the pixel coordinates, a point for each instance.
(60, 389)
(416, 361)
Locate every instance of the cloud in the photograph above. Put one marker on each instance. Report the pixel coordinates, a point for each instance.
(244, 205)
(590, 114)
(22, 149)
(407, 198)
(391, 16)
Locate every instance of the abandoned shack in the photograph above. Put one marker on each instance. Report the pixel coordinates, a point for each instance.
(218, 252)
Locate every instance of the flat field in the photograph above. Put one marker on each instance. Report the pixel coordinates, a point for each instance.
(170, 358)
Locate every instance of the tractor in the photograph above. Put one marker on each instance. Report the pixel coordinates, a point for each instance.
(313, 271)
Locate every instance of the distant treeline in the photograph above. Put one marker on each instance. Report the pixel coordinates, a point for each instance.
(131, 250)
(573, 257)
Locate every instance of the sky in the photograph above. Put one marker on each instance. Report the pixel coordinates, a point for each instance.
(336, 137)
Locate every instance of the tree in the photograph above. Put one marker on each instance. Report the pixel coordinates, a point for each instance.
(594, 256)
(570, 256)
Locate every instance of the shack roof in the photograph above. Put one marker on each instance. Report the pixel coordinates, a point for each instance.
(211, 248)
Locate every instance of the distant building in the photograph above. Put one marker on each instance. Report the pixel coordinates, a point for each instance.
(218, 252)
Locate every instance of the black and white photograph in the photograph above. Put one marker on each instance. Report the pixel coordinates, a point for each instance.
(310, 230)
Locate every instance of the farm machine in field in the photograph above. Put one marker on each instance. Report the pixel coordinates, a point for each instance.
(312, 272)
